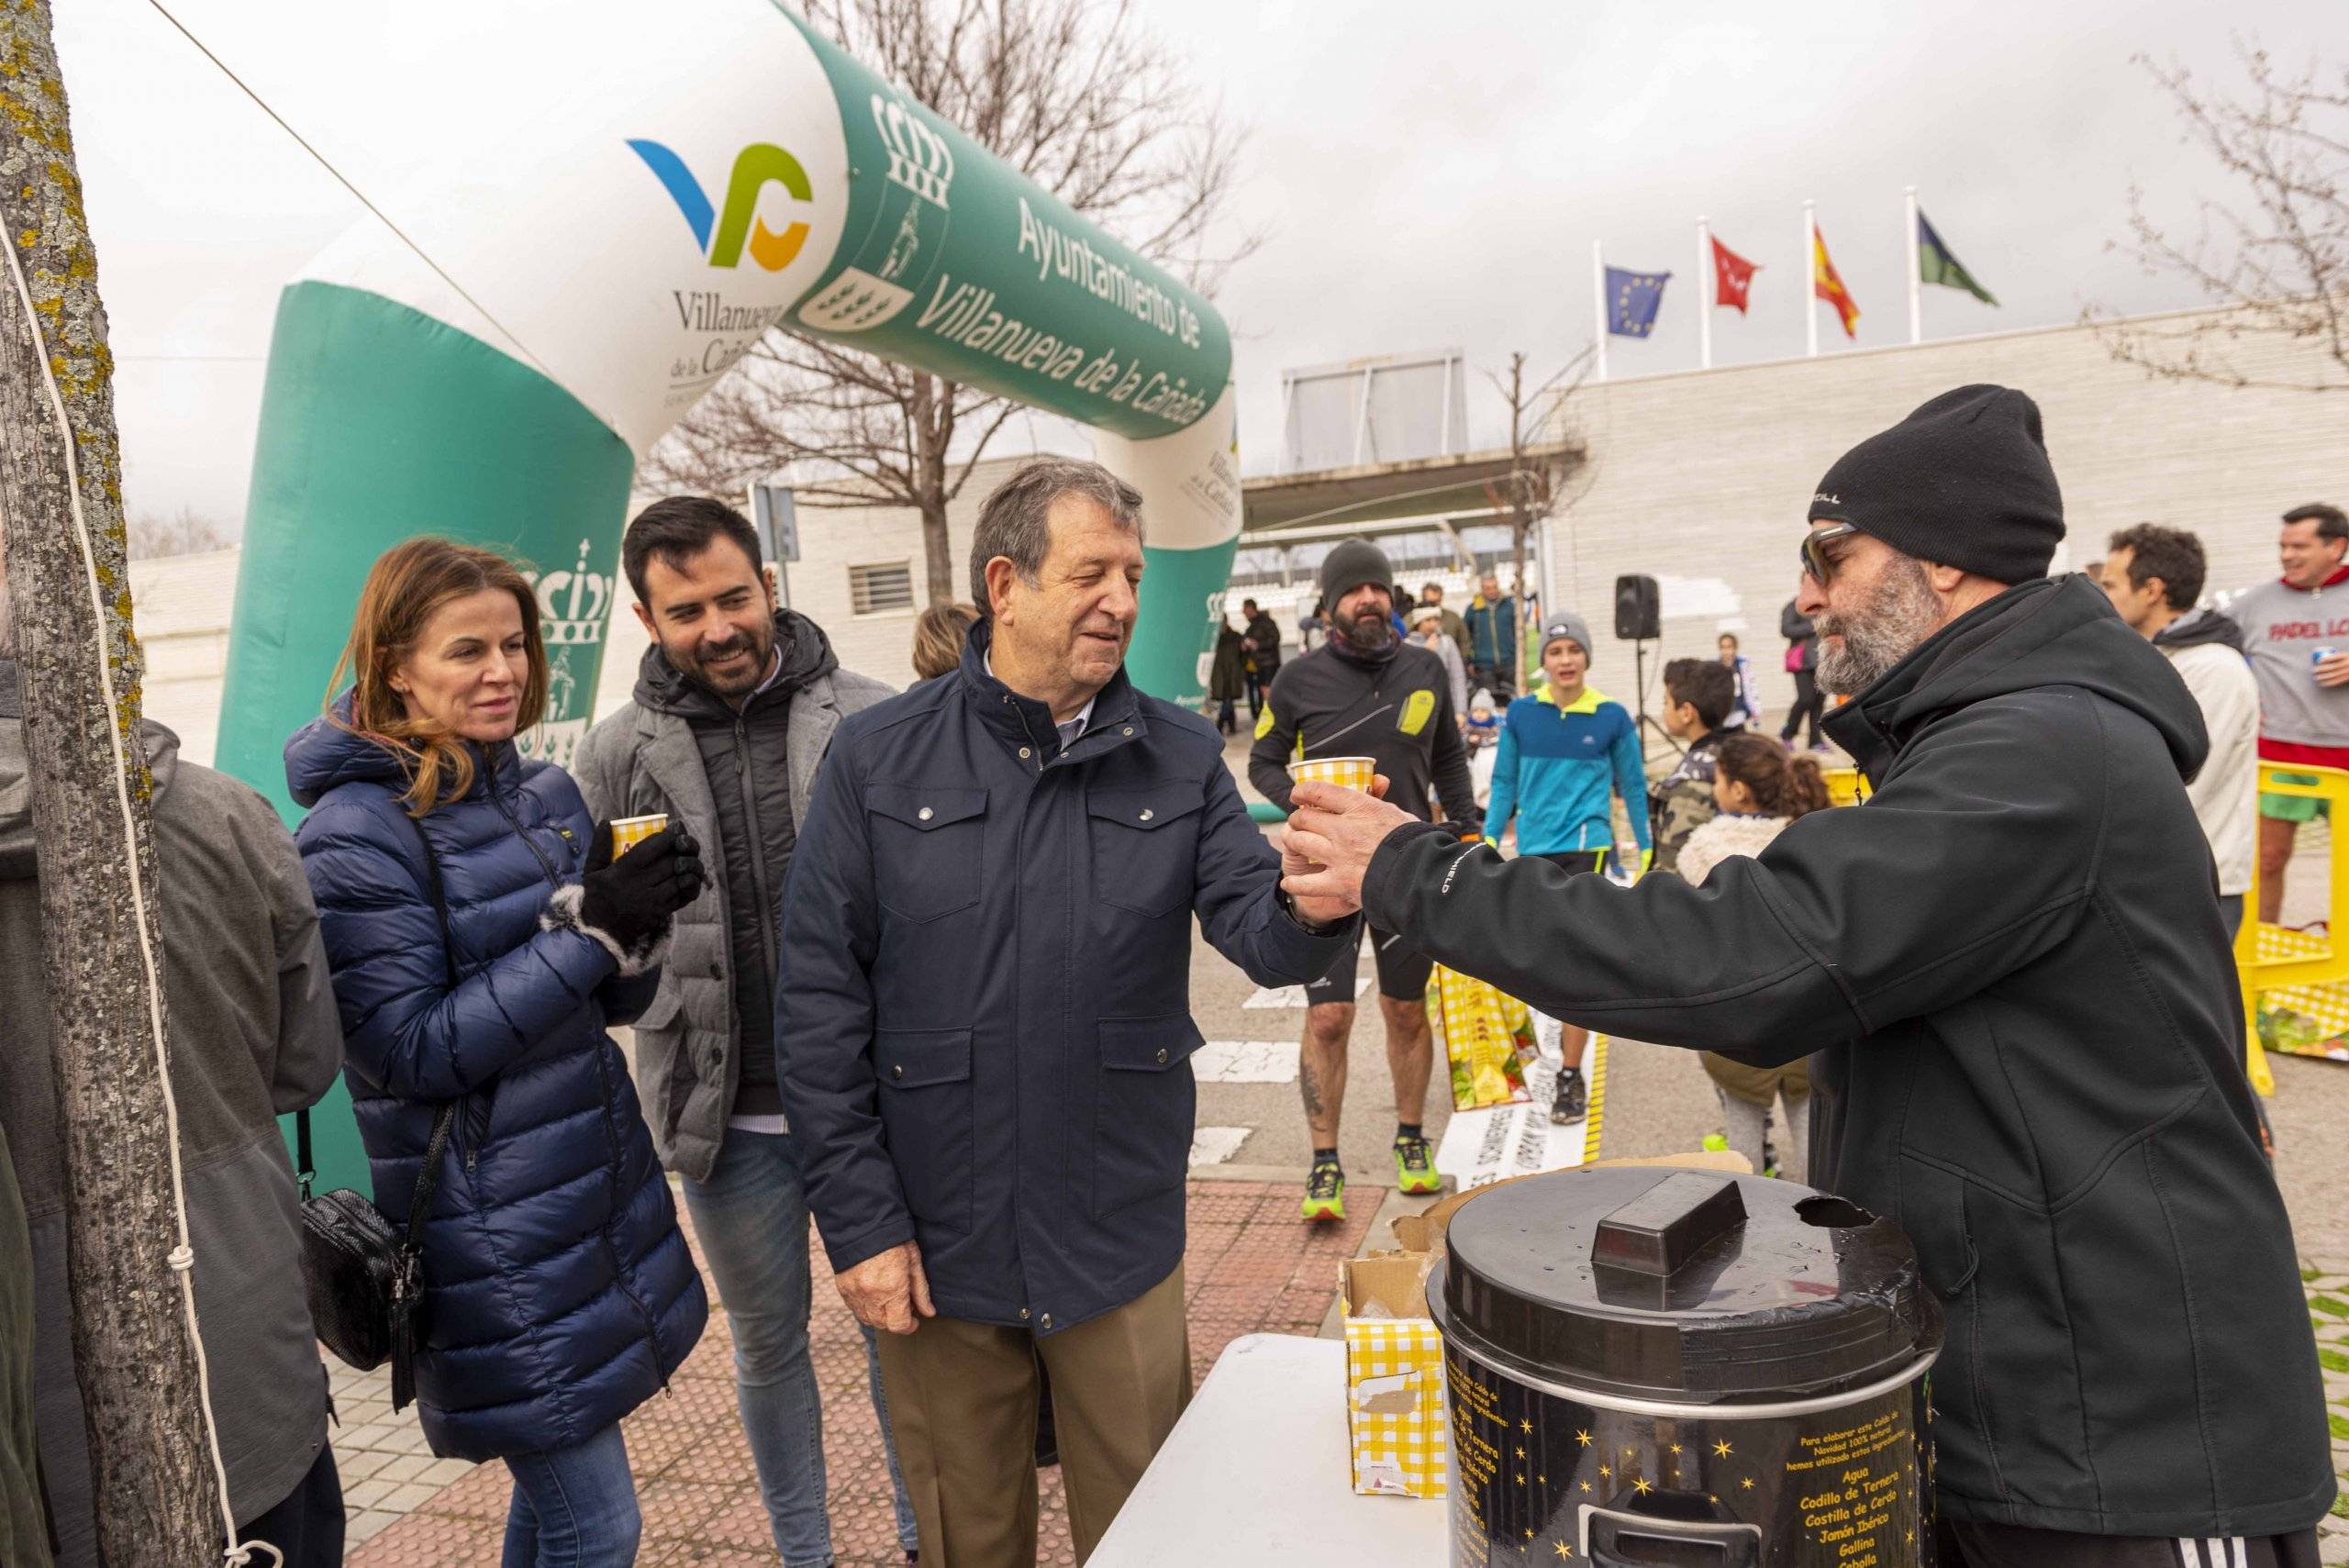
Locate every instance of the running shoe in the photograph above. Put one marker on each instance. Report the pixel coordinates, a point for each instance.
(1572, 1102)
(1325, 1191)
(1415, 1167)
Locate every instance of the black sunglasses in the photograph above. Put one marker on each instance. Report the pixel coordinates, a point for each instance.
(1815, 559)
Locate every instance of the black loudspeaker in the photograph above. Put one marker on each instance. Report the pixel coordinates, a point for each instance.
(1638, 609)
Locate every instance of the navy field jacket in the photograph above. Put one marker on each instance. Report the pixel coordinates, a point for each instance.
(982, 1028)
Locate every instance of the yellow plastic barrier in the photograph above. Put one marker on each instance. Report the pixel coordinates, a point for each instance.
(2271, 958)
(1845, 786)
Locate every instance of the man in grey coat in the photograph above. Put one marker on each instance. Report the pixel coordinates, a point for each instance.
(734, 704)
(254, 1035)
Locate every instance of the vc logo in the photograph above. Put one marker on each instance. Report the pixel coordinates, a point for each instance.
(758, 163)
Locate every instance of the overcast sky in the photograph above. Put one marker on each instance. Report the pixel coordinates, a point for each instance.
(1427, 177)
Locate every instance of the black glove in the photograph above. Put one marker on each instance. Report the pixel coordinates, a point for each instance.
(627, 903)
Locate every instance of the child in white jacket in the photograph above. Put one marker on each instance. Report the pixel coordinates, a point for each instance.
(1759, 790)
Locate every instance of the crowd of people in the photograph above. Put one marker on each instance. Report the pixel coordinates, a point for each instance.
(913, 969)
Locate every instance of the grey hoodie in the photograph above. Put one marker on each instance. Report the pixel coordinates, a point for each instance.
(254, 1034)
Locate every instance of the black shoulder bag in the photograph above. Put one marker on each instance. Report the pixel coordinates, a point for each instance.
(364, 1278)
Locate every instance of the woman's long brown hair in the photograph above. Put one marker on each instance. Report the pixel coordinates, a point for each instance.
(406, 586)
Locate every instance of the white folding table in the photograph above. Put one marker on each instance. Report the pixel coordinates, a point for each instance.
(1257, 1473)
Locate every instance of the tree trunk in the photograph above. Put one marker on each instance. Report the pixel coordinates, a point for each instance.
(154, 1500)
(932, 419)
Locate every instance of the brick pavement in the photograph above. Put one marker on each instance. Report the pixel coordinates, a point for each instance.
(1250, 1267)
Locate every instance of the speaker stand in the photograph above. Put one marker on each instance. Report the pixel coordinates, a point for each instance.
(1643, 724)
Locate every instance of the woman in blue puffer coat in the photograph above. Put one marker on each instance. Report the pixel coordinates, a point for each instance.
(559, 1292)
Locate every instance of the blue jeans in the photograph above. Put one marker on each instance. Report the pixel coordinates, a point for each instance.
(574, 1507)
(752, 1218)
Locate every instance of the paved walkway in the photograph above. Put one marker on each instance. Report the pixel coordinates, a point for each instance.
(1249, 1268)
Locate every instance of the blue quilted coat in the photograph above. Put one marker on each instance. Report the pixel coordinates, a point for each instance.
(559, 1292)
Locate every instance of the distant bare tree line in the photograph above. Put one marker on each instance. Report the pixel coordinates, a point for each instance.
(2277, 254)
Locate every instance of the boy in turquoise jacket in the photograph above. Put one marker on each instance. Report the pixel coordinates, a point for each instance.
(1566, 752)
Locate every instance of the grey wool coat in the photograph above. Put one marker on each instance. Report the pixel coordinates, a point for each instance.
(638, 761)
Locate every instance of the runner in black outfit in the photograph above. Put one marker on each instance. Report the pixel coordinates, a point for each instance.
(1367, 693)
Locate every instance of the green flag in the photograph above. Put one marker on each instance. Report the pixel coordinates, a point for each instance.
(1935, 264)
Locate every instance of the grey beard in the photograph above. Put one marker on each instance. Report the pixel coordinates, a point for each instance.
(1898, 615)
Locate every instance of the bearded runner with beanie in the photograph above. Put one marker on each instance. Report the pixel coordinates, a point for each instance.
(2016, 944)
(1367, 693)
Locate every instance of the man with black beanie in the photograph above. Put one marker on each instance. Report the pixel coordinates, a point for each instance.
(2011, 963)
(1368, 692)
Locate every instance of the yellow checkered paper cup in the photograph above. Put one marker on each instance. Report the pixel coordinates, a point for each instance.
(627, 832)
(1346, 772)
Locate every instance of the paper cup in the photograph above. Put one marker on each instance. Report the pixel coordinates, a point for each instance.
(1346, 772)
(627, 832)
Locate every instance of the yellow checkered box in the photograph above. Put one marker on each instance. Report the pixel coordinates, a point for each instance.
(1394, 1379)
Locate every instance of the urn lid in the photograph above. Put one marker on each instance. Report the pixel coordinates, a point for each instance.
(1682, 1286)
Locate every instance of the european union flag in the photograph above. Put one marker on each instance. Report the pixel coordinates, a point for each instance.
(1632, 299)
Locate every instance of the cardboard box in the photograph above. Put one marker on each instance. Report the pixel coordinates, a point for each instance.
(1395, 1403)
(1394, 1377)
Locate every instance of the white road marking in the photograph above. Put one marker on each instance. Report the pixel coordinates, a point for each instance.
(1245, 1061)
(1215, 1145)
(1294, 995)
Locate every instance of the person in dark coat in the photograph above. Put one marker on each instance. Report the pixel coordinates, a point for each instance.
(1802, 663)
(1260, 641)
(2016, 942)
(1228, 676)
(559, 1293)
(983, 1028)
(253, 1034)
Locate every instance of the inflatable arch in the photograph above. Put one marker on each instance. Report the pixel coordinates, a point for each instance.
(585, 287)
(597, 266)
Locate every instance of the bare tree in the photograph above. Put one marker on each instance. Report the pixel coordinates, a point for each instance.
(2276, 257)
(1072, 93)
(185, 532)
(67, 580)
(1549, 468)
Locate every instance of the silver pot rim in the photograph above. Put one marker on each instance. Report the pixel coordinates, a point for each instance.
(1671, 1410)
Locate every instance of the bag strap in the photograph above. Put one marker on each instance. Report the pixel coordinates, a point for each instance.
(419, 1203)
(306, 1169)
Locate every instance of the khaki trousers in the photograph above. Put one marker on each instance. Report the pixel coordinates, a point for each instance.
(963, 1409)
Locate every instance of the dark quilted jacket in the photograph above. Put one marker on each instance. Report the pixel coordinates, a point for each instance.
(560, 1295)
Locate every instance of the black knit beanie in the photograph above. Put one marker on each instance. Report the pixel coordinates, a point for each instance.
(1349, 566)
(1963, 482)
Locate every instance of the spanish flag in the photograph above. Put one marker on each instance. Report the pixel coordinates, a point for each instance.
(1829, 286)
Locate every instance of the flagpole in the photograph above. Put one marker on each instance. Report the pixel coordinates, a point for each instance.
(1809, 286)
(1916, 282)
(1704, 302)
(1598, 303)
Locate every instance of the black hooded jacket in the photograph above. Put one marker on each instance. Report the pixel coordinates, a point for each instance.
(2012, 957)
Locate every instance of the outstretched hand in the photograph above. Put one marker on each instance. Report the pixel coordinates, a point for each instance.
(1332, 832)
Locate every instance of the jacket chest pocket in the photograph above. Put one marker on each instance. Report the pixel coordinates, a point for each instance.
(929, 1117)
(1145, 847)
(1141, 1129)
(928, 847)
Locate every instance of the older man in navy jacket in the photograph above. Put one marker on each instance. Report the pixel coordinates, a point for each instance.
(984, 1026)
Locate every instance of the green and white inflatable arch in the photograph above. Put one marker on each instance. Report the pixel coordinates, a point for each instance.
(734, 171)
(688, 185)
